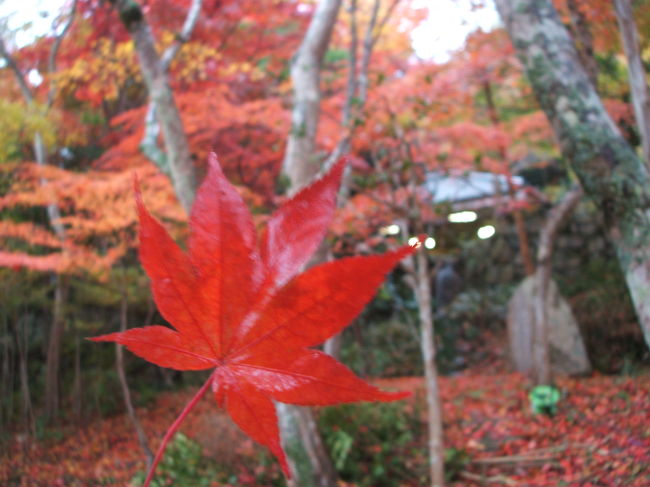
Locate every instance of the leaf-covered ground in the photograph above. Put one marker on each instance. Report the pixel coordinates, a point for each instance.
(600, 437)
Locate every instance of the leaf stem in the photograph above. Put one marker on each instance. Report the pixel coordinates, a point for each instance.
(174, 427)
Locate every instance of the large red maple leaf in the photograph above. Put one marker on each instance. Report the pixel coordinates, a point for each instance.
(239, 305)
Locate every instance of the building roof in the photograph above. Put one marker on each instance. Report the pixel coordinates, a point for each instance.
(469, 185)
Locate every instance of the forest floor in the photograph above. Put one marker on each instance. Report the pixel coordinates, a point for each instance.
(599, 437)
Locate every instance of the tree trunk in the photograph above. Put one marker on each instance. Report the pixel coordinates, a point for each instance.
(301, 162)
(177, 152)
(636, 73)
(542, 360)
(583, 41)
(427, 343)
(6, 375)
(22, 345)
(149, 142)
(54, 217)
(124, 385)
(53, 360)
(608, 169)
(308, 459)
(77, 391)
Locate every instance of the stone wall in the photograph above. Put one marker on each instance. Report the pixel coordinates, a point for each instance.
(497, 260)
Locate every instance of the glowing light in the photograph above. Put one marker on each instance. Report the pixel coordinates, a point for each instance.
(486, 232)
(34, 77)
(462, 217)
(389, 230)
(413, 241)
(430, 243)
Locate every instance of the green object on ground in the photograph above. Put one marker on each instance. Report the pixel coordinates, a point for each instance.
(544, 399)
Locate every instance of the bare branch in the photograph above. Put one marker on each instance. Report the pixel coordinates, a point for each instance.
(20, 78)
(184, 35)
(357, 87)
(368, 45)
(149, 144)
(352, 64)
(51, 64)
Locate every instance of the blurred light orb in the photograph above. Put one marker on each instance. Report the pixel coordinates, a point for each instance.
(462, 217)
(430, 243)
(485, 232)
(390, 229)
(413, 241)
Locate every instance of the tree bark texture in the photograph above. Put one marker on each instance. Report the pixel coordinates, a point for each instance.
(542, 359)
(636, 73)
(421, 284)
(178, 157)
(307, 456)
(149, 144)
(308, 459)
(583, 40)
(608, 169)
(301, 162)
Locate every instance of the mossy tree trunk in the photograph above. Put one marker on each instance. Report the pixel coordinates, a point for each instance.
(607, 166)
(636, 74)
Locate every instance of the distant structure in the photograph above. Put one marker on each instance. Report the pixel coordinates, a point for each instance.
(474, 189)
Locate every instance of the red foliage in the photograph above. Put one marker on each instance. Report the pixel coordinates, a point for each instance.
(598, 437)
(245, 311)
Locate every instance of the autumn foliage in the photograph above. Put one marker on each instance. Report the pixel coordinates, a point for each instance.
(240, 289)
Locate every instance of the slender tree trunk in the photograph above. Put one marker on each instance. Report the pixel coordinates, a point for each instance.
(541, 355)
(77, 391)
(53, 360)
(54, 216)
(636, 73)
(124, 385)
(57, 328)
(6, 376)
(23, 360)
(427, 343)
(355, 100)
(177, 152)
(608, 169)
